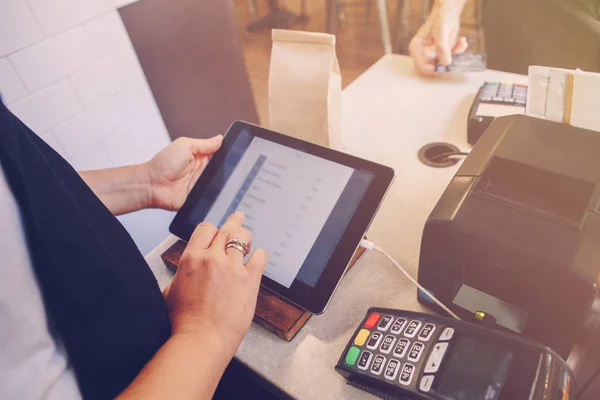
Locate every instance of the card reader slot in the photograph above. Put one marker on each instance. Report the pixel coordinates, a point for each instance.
(535, 189)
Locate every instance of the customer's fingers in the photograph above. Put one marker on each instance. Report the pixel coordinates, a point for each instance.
(426, 69)
(461, 45)
(444, 42)
(420, 53)
(239, 251)
(445, 32)
(443, 51)
(233, 224)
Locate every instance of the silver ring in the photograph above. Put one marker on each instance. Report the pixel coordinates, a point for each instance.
(237, 244)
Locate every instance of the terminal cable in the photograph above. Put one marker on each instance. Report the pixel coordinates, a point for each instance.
(368, 245)
(444, 156)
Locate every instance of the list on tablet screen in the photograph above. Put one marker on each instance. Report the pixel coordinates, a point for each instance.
(297, 205)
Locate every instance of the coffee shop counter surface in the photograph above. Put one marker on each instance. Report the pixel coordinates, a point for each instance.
(388, 114)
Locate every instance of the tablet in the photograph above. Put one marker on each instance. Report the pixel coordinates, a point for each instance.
(308, 206)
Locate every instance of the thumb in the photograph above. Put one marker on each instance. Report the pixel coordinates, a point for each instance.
(445, 35)
(206, 146)
(443, 48)
(257, 263)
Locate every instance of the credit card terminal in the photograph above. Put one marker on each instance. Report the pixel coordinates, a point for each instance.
(395, 354)
(494, 99)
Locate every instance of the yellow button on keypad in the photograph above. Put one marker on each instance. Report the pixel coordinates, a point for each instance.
(361, 338)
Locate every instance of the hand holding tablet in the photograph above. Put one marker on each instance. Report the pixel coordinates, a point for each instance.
(306, 205)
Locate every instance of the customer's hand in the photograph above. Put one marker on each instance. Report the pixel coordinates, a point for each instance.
(438, 37)
(213, 293)
(174, 170)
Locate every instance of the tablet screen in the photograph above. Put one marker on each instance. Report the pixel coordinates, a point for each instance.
(297, 205)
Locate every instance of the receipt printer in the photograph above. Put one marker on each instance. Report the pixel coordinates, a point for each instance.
(515, 236)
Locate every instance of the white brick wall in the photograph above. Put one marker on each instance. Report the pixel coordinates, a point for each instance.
(18, 28)
(13, 88)
(69, 71)
(106, 78)
(108, 34)
(54, 58)
(87, 129)
(45, 109)
(55, 16)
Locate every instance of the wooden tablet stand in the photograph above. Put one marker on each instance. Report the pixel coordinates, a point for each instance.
(273, 312)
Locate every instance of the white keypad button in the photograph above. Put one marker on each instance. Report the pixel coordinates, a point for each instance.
(427, 332)
(432, 365)
(374, 340)
(398, 326)
(415, 351)
(426, 382)
(401, 348)
(446, 334)
(378, 364)
(435, 358)
(440, 349)
(365, 360)
(388, 344)
(406, 375)
(412, 329)
(391, 371)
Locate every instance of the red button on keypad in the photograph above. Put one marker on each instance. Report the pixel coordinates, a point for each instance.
(372, 320)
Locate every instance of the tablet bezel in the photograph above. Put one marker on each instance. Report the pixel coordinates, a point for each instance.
(312, 299)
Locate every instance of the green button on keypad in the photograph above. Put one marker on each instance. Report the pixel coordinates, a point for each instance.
(352, 355)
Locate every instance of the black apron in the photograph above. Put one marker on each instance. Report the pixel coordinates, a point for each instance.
(99, 293)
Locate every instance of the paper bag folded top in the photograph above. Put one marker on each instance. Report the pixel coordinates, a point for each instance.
(305, 87)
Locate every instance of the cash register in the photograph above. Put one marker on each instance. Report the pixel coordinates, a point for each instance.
(514, 239)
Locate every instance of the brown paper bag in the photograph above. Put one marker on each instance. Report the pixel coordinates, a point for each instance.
(305, 87)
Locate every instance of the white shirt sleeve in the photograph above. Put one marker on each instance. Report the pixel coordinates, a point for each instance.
(33, 365)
